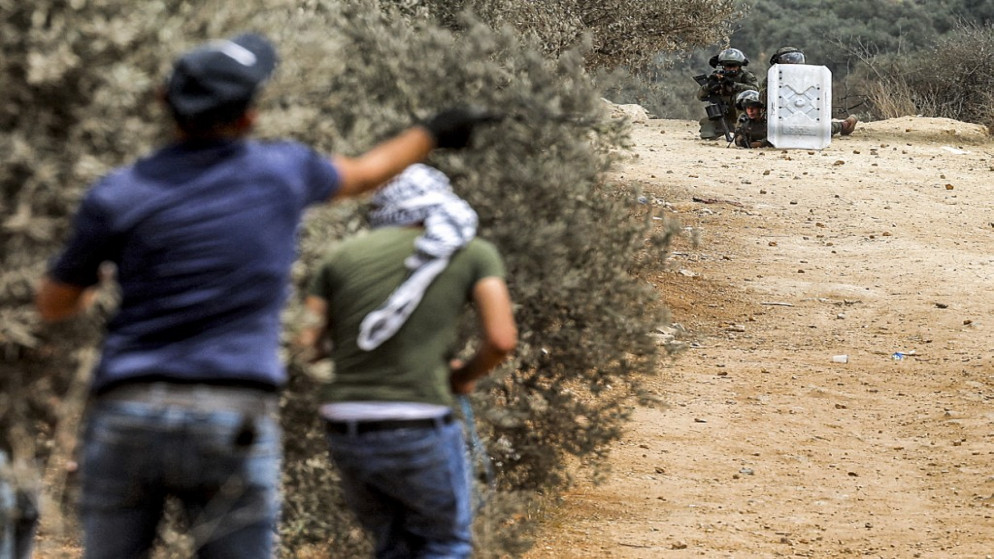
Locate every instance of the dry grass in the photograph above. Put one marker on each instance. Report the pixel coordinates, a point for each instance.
(891, 100)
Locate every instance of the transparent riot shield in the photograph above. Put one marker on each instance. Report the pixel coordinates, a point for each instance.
(799, 106)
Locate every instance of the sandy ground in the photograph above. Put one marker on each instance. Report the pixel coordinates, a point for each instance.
(761, 445)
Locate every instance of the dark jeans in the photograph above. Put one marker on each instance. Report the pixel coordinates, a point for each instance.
(410, 488)
(207, 448)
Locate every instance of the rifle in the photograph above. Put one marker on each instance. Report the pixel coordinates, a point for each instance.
(739, 133)
(716, 107)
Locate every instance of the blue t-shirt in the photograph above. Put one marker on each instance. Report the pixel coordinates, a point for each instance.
(203, 236)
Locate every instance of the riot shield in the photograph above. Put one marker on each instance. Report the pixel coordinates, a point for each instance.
(799, 106)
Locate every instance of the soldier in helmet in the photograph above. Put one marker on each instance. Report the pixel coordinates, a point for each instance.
(728, 80)
(783, 55)
(793, 55)
(787, 55)
(752, 128)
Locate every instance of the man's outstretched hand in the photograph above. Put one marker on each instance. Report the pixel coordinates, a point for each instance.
(453, 128)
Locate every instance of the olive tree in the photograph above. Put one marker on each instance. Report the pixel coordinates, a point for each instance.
(612, 33)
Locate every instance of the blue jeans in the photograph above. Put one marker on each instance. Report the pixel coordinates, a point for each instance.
(222, 464)
(18, 514)
(410, 488)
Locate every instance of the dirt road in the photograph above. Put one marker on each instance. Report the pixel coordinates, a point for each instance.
(879, 248)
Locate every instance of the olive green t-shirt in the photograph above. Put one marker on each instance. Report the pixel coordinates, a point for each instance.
(412, 366)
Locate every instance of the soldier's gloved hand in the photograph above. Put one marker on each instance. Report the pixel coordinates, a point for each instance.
(452, 128)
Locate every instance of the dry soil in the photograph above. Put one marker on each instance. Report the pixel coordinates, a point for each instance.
(877, 252)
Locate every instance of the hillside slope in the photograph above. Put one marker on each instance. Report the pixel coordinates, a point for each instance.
(762, 445)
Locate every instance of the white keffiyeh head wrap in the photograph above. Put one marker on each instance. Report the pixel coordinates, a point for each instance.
(420, 194)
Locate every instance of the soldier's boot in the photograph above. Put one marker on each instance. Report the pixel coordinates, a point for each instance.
(848, 125)
(709, 130)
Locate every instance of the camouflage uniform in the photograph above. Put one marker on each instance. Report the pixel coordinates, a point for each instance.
(726, 90)
(751, 133)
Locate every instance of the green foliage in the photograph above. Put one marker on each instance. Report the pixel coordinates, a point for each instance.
(834, 33)
(79, 83)
(818, 27)
(75, 101)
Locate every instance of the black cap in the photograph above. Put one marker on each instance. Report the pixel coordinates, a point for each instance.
(220, 74)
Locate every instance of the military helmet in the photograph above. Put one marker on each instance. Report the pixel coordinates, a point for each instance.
(787, 55)
(747, 98)
(732, 56)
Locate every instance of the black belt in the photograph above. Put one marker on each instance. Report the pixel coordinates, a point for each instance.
(359, 426)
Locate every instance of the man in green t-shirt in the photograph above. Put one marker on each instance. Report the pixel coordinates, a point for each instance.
(386, 303)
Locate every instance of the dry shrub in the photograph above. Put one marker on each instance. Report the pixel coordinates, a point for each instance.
(890, 99)
(953, 78)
